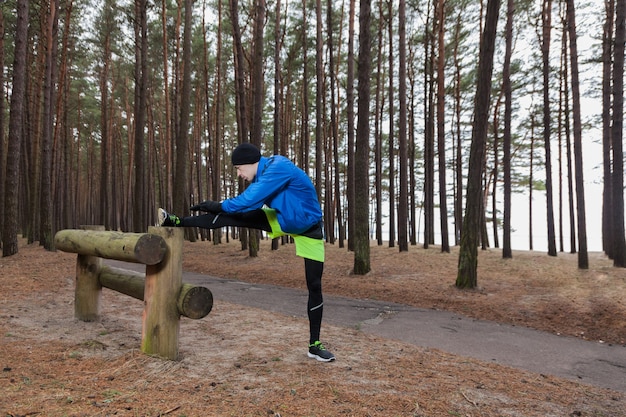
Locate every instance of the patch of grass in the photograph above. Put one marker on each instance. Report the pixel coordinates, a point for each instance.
(111, 394)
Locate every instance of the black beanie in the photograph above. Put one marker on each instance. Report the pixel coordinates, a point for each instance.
(246, 153)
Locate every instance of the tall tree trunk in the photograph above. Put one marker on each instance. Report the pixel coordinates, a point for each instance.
(607, 59)
(16, 117)
(350, 122)
(181, 188)
(413, 189)
(583, 256)
(531, 184)
(49, 100)
(441, 134)
(257, 99)
(3, 159)
(619, 242)
(278, 85)
(240, 91)
(391, 139)
(508, 112)
(214, 165)
(304, 154)
(361, 245)
(495, 173)
(242, 116)
(64, 190)
(545, 52)
(403, 243)
(412, 153)
(204, 141)
(561, 107)
(278, 91)
(336, 198)
(458, 160)
(32, 141)
(378, 146)
(140, 221)
(468, 255)
(429, 135)
(166, 183)
(568, 141)
(256, 131)
(319, 95)
(328, 150)
(105, 120)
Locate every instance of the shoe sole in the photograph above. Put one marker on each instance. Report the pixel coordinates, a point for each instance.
(319, 358)
(161, 216)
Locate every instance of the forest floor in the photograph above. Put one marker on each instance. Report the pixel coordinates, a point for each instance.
(241, 361)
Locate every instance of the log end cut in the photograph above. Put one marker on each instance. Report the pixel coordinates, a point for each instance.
(150, 249)
(195, 302)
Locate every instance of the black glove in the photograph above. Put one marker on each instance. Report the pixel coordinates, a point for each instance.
(208, 207)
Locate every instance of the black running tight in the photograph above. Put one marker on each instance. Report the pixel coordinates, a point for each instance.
(313, 271)
(255, 219)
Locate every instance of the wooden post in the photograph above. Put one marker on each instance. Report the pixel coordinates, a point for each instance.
(88, 291)
(160, 319)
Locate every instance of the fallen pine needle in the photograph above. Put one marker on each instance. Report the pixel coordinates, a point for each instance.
(171, 410)
(468, 400)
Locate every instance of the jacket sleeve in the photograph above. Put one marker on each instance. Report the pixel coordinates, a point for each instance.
(274, 178)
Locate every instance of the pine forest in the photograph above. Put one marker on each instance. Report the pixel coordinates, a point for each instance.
(419, 122)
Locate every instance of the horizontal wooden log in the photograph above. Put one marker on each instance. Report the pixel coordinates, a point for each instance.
(121, 280)
(144, 248)
(194, 302)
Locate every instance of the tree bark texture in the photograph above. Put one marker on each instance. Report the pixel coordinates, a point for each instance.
(583, 256)
(607, 191)
(468, 254)
(441, 136)
(361, 236)
(507, 253)
(545, 51)
(619, 242)
(10, 230)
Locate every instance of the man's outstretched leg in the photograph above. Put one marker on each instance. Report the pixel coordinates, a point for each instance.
(255, 219)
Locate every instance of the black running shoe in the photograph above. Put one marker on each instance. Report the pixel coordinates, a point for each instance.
(318, 352)
(167, 220)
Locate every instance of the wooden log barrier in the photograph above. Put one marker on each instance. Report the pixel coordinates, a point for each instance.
(193, 302)
(164, 295)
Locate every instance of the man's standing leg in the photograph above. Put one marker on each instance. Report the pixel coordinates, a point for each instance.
(313, 271)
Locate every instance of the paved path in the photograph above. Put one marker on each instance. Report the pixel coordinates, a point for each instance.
(583, 361)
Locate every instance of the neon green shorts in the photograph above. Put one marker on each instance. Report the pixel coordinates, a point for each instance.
(306, 247)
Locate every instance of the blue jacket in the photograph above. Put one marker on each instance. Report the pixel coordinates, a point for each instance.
(284, 187)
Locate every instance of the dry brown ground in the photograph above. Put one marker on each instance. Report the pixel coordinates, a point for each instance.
(235, 364)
